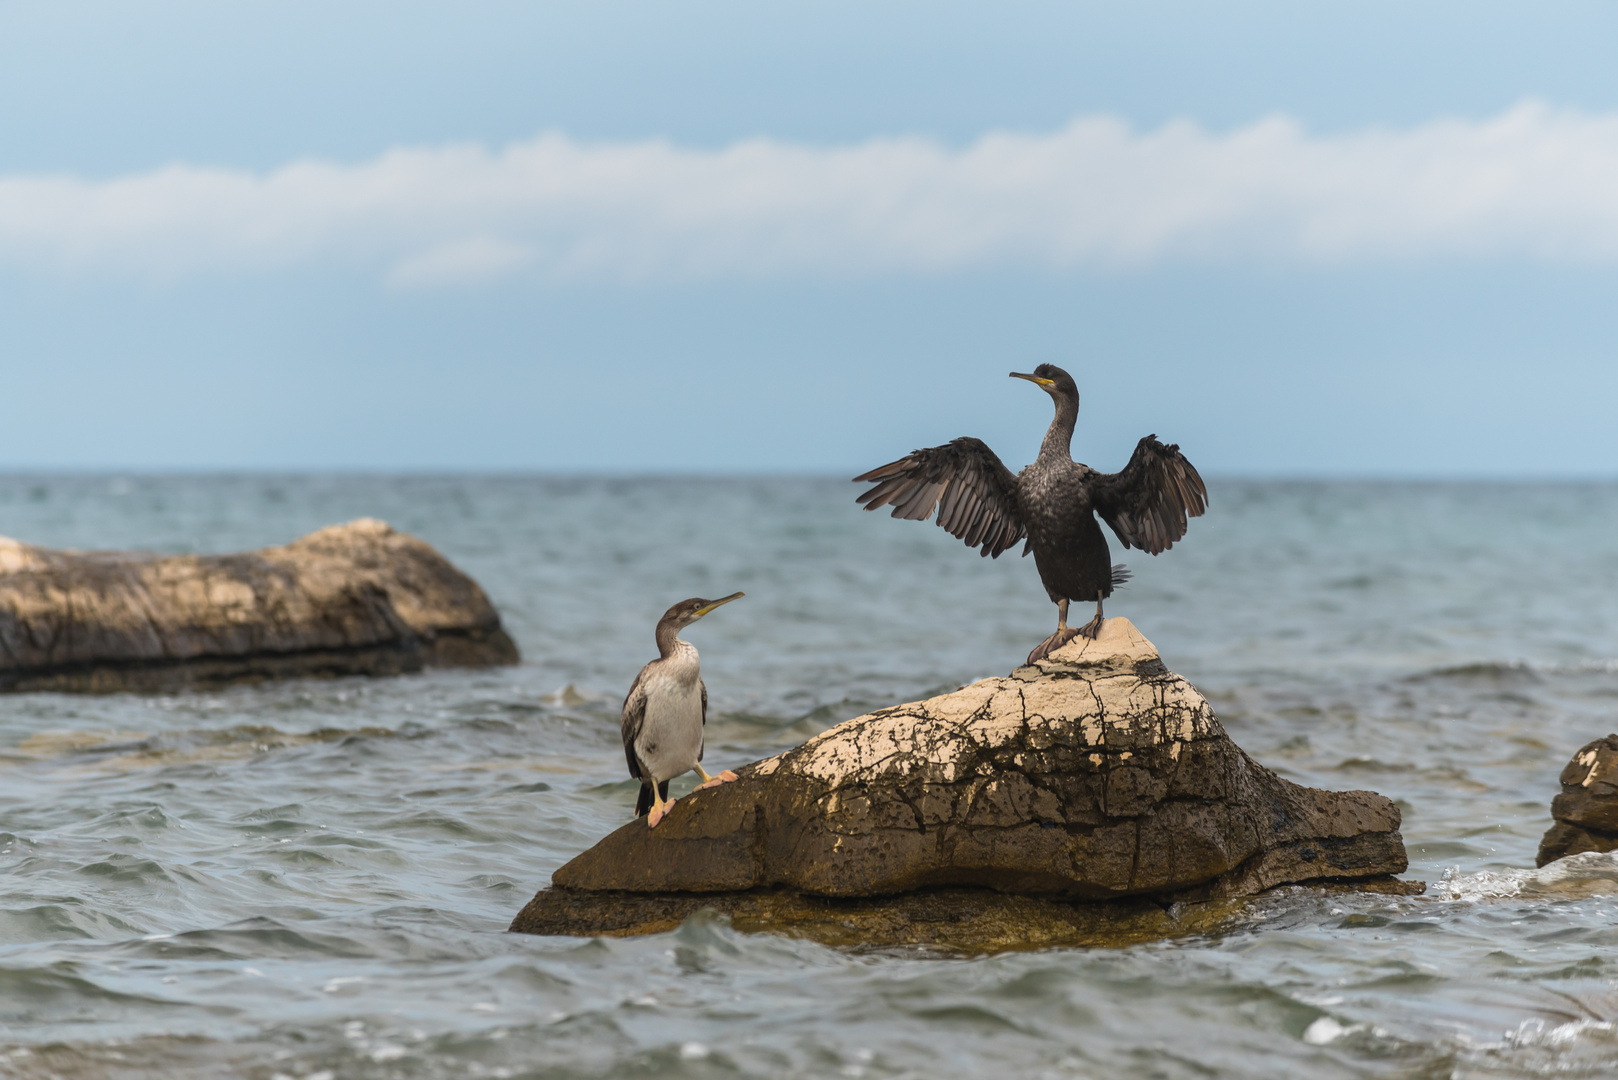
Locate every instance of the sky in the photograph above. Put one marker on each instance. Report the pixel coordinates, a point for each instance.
(1325, 239)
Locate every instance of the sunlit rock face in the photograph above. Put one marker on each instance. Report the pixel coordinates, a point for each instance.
(359, 598)
(1586, 811)
(1096, 774)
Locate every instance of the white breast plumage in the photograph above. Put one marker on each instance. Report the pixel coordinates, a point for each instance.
(670, 738)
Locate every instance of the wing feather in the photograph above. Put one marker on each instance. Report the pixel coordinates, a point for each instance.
(971, 488)
(1149, 502)
(950, 507)
(634, 715)
(702, 747)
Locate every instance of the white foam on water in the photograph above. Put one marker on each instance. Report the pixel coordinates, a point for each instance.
(1324, 1030)
(1584, 1047)
(1538, 1032)
(1591, 873)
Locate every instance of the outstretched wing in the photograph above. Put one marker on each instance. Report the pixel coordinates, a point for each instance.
(976, 495)
(629, 724)
(1148, 503)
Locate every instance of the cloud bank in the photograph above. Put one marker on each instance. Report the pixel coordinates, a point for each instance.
(1534, 182)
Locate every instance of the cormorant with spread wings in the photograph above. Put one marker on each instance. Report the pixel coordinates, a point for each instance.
(1052, 503)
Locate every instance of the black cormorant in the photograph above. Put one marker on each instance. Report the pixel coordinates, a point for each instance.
(665, 712)
(1050, 502)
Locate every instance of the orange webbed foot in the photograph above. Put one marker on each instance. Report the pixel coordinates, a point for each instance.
(714, 781)
(658, 813)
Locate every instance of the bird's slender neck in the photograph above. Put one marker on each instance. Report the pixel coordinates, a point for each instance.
(668, 632)
(1059, 437)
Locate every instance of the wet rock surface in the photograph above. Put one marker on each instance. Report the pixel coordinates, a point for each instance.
(1586, 811)
(961, 919)
(359, 598)
(1096, 774)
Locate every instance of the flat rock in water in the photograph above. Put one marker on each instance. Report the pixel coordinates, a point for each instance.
(1586, 811)
(355, 599)
(1095, 775)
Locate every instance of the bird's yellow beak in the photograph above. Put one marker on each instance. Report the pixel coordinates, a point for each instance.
(1035, 379)
(705, 608)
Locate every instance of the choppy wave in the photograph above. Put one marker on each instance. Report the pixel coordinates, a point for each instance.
(1496, 671)
(96, 751)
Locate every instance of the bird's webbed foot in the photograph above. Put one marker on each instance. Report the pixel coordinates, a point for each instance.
(658, 813)
(1092, 629)
(724, 777)
(1052, 643)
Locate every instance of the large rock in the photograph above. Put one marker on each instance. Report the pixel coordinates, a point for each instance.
(1586, 811)
(1096, 774)
(351, 599)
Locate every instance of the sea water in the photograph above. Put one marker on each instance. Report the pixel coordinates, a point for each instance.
(313, 878)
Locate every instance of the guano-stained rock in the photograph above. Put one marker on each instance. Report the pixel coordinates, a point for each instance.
(1586, 811)
(1097, 774)
(352, 599)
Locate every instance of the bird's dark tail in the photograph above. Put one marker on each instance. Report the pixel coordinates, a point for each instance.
(643, 802)
(1120, 574)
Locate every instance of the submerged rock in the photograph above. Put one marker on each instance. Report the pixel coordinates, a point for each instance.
(958, 919)
(1096, 774)
(355, 599)
(1586, 811)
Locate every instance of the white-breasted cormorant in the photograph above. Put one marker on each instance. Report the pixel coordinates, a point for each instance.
(665, 712)
(1052, 502)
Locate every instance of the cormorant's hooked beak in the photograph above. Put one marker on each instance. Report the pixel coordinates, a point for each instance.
(1043, 384)
(710, 605)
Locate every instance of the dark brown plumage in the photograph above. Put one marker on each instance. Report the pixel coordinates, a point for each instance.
(1051, 503)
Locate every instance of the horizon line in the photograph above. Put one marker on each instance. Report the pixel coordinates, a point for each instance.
(186, 472)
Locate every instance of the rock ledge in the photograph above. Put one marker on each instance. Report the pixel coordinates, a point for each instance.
(355, 599)
(1096, 775)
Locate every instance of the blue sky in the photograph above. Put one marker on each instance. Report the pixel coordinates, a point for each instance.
(1325, 239)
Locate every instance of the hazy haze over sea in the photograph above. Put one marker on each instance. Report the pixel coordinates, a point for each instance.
(313, 879)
